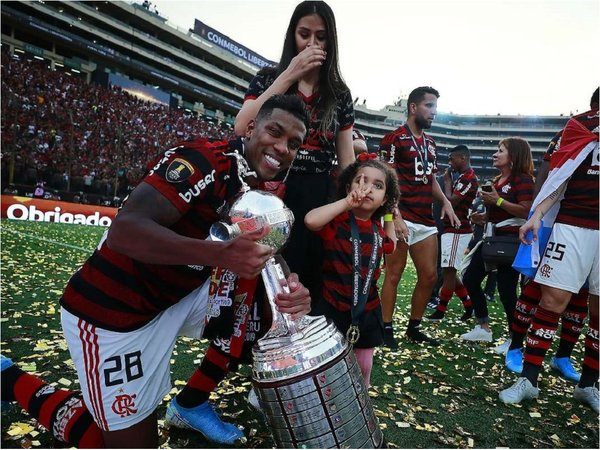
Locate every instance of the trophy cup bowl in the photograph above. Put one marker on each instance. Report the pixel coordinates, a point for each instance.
(252, 211)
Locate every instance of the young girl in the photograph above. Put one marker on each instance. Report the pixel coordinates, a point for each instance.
(354, 242)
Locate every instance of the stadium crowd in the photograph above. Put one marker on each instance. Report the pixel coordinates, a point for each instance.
(51, 118)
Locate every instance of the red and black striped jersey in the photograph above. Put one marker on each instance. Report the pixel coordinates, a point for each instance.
(114, 291)
(338, 266)
(516, 189)
(465, 187)
(579, 206)
(413, 165)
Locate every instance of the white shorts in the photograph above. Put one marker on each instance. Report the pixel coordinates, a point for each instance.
(418, 232)
(453, 249)
(570, 259)
(124, 376)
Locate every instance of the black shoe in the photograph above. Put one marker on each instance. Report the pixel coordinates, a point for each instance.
(437, 316)
(433, 302)
(467, 315)
(416, 335)
(388, 339)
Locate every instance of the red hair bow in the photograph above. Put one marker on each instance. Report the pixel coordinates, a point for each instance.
(365, 156)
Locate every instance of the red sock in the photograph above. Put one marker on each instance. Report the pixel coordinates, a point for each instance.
(212, 370)
(589, 368)
(524, 310)
(463, 294)
(445, 296)
(572, 321)
(61, 412)
(542, 331)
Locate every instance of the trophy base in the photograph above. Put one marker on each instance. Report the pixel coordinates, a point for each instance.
(324, 408)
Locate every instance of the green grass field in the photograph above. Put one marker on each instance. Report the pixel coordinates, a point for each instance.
(446, 397)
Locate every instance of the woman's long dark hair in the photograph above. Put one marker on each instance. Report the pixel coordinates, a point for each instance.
(520, 157)
(331, 83)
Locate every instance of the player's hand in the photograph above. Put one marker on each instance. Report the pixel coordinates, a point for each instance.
(532, 225)
(310, 58)
(402, 231)
(246, 257)
(448, 210)
(297, 302)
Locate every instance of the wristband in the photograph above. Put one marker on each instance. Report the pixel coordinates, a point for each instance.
(499, 201)
(388, 218)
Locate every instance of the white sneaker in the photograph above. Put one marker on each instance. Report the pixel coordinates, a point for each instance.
(477, 334)
(588, 395)
(253, 400)
(521, 390)
(502, 348)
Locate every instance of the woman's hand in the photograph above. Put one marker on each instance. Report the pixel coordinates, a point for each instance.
(310, 58)
(489, 198)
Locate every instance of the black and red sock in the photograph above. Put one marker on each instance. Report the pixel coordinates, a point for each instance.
(589, 368)
(212, 370)
(539, 339)
(445, 296)
(572, 321)
(463, 294)
(61, 412)
(524, 310)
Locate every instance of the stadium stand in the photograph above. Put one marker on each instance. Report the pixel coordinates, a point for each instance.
(53, 120)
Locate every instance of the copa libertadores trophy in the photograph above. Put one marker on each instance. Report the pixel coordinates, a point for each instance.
(308, 382)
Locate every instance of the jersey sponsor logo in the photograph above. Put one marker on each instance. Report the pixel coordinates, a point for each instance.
(506, 188)
(420, 170)
(179, 170)
(124, 405)
(196, 189)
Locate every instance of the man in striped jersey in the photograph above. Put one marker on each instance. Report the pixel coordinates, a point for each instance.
(569, 199)
(411, 152)
(147, 282)
(461, 192)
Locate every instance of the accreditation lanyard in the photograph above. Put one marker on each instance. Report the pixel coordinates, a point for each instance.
(360, 293)
(422, 152)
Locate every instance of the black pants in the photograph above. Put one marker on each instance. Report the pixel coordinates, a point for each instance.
(304, 250)
(507, 277)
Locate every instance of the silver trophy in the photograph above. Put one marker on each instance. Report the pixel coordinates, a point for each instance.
(307, 380)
